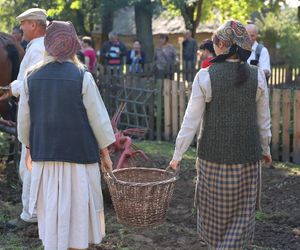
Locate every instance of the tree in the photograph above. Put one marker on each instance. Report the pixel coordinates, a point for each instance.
(82, 13)
(190, 10)
(143, 11)
(281, 32)
(195, 11)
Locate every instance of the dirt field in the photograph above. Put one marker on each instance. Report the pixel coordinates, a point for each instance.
(278, 226)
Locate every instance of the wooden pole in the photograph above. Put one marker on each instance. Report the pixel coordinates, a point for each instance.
(286, 112)
(167, 106)
(275, 123)
(296, 153)
(174, 85)
(181, 101)
(159, 111)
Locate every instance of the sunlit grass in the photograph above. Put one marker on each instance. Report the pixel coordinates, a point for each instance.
(288, 166)
(164, 149)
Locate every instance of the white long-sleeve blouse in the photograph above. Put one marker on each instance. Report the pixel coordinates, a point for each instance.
(201, 94)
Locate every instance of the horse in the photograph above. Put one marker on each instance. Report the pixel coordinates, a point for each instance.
(11, 54)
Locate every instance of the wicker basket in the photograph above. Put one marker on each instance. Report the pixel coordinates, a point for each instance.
(141, 196)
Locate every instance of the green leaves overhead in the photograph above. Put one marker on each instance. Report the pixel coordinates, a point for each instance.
(281, 33)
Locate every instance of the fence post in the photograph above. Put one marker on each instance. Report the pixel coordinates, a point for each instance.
(174, 85)
(296, 146)
(286, 112)
(181, 101)
(275, 123)
(159, 113)
(167, 106)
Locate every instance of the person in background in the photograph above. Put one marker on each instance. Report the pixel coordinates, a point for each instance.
(89, 53)
(65, 126)
(136, 58)
(165, 58)
(113, 52)
(189, 54)
(207, 53)
(17, 33)
(231, 98)
(259, 54)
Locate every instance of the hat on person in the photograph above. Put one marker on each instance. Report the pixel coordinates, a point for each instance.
(61, 40)
(235, 38)
(33, 14)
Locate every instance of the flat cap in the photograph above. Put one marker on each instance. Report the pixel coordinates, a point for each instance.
(33, 14)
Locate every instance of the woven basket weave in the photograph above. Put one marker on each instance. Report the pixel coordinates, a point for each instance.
(141, 196)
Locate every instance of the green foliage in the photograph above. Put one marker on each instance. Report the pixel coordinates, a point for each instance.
(231, 9)
(219, 10)
(82, 13)
(282, 31)
(261, 216)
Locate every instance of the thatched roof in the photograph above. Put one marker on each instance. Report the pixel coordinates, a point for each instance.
(124, 24)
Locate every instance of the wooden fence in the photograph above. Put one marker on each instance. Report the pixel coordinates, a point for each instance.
(162, 102)
(285, 115)
(285, 109)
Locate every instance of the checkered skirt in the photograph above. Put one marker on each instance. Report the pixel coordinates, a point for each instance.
(225, 199)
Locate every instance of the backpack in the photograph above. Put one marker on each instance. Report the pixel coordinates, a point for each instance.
(258, 51)
(257, 55)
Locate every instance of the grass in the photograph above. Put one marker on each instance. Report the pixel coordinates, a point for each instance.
(261, 216)
(288, 166)
(164, 149)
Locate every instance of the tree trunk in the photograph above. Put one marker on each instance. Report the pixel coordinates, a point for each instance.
(107, 23)
(188, 13)
(198, 16)
(80, 23)
(143, 22)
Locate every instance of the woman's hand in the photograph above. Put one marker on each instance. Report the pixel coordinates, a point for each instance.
(267, 159)
(28, 160)
(174, 164)
(106, 163)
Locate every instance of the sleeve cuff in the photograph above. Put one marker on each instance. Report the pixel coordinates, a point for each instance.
(15, 88)
(177, 156)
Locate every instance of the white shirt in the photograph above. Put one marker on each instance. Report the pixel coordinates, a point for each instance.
(264, 58)
(93, 103)
(201, 94)
(35, 51)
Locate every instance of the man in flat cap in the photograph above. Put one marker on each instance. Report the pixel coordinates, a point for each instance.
(33, 23)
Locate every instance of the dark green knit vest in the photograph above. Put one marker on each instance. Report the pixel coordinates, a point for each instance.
(230, 132)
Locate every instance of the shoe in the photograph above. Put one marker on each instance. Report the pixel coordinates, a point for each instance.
(17, 223)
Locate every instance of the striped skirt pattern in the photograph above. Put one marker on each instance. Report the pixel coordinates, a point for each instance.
(225, 199)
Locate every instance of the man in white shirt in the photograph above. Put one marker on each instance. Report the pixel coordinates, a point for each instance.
(33, 23)
(259, 55)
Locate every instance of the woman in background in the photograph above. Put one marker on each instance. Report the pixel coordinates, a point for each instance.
(136, 58)
(165, 58)
(89, 54)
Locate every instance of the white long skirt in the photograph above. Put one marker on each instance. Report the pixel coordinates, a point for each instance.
(69, 203)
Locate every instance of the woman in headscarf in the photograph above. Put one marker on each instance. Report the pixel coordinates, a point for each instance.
(65, 125)
(231, 98)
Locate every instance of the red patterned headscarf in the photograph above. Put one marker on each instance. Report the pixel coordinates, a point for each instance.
(61, 40)
(236, 39)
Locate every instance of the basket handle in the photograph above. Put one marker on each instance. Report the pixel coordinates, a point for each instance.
(111, 174)
(175, 172)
